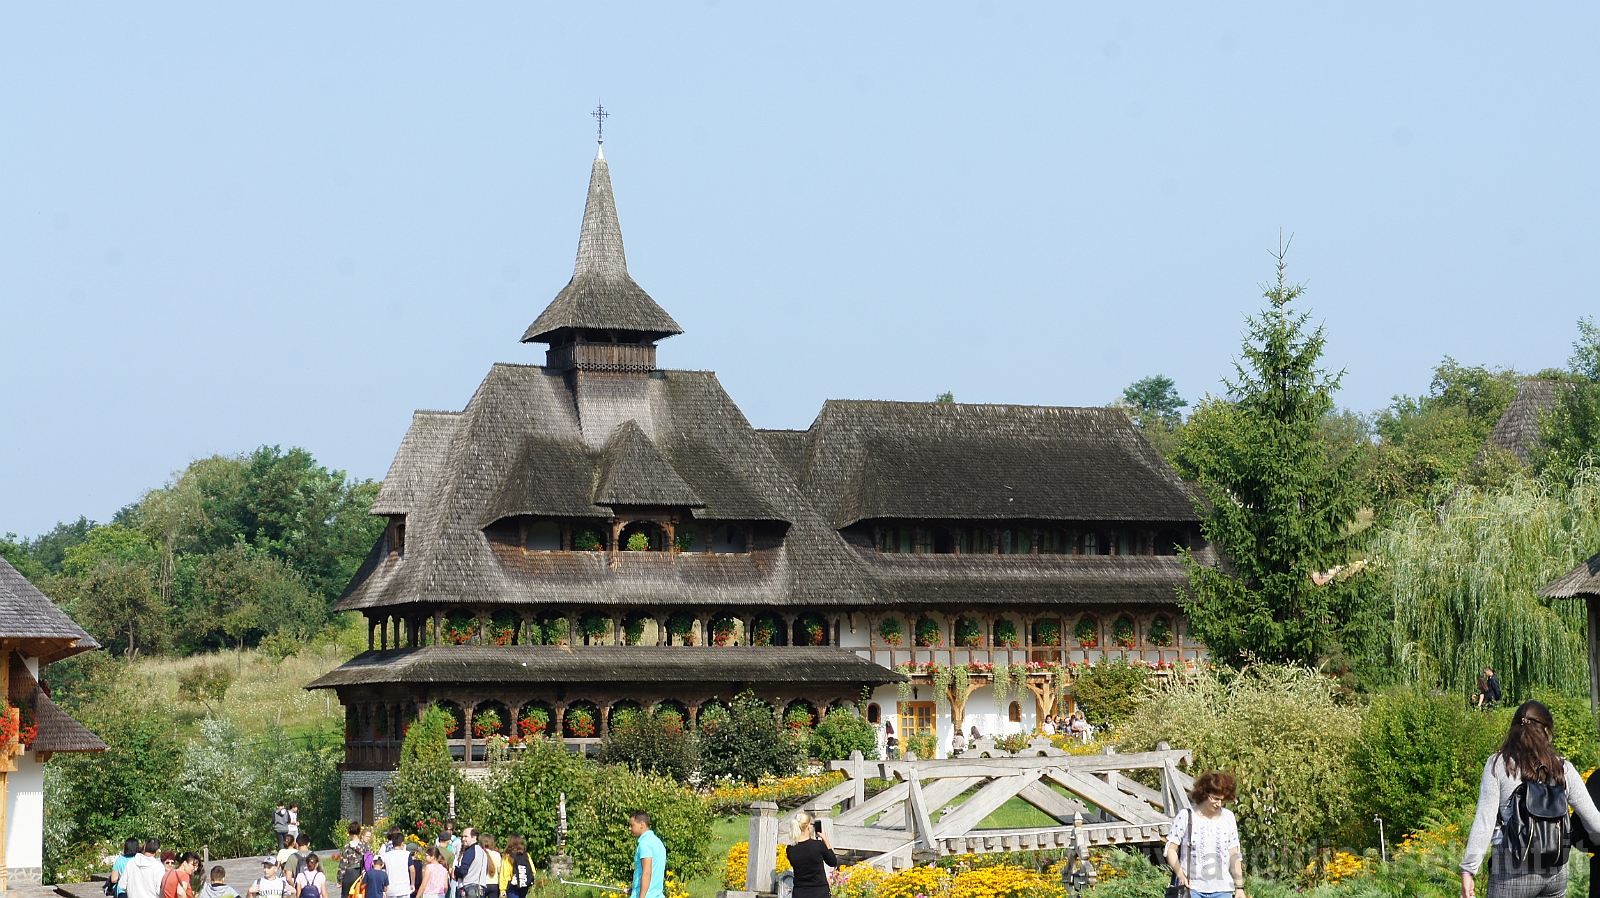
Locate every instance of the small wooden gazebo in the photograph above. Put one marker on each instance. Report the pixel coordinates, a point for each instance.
(1583, 582)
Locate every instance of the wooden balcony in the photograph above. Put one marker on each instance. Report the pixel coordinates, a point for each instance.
(383, 755)
(603, 356)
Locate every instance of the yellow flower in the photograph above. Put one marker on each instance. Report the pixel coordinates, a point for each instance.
(930, 882)
(674, 888)
(857, 881)
(1338, 866)
(1004, 881)
(736, 866)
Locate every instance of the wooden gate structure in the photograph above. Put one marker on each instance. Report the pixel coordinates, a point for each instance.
(919, 819)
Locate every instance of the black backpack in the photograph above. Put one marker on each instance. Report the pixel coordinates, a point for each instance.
(1537, 827)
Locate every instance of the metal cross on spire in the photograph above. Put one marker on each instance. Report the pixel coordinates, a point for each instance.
(600, 115)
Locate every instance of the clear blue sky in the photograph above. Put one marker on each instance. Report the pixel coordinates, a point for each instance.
(223, 225)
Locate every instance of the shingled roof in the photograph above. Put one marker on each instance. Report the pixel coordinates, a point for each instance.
(1583, 580)
(541, 665)
(937, 460)
(1517, 431)
(29, 617)
(601, 294)
(57, 731)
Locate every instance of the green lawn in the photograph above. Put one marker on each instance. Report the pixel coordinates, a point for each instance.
(725, 831)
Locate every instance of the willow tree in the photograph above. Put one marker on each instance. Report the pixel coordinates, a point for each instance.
(1463, 577)
(1280, 498)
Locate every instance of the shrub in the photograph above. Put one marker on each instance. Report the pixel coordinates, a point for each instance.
(923, 746)
(750, 744)
(603, 847)
(915, 882)
(1575, 734)
(1417, 753)
(842, 732)
(789, 792)
(419, 792)
(1109, 692)
(524, 794)
(651, 743)
(1283, 732)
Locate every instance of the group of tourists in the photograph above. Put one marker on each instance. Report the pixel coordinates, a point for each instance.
(1533, 809)
(1075, 726)
(469, 865)
(144, 870)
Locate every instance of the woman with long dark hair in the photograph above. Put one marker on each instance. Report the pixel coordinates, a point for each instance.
(1527, 756)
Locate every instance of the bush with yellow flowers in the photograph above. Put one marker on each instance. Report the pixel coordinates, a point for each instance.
(856, 881)
(674, 888)
(736, 866)
(912, 882)
(1335, 867)
(1004, 882)
(787, 791)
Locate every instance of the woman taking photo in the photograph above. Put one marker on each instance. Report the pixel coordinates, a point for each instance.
(1527, 756)
(808, 855)
(1203, 844)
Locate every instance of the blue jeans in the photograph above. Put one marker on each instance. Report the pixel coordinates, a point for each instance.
(1210, 895)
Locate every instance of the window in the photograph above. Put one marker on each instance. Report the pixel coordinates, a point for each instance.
(1014, 713)
(916, 719)
(397, 535)
(542, 536)
(1053, 542)
(1123, 544)
(729, 540)
(874, 713)
(1091, 543)
(944, 542)
(1168, 542)
(924, 540)
(894, 540)
(982, 542)
(691, 541)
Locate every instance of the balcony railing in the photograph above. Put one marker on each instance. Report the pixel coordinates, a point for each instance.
(603, 356)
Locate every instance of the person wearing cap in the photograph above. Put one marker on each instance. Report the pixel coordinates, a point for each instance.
(270, 885)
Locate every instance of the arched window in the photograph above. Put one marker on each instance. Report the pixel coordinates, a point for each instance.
(874, 713)
(982, 541)
(1091, 543)
(1168, 542)
(642, 536)
(1014, 713)
(542, 536)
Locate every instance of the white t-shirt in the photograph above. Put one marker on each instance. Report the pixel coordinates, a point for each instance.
(1204, 858)
(397, 863)
(270, 888)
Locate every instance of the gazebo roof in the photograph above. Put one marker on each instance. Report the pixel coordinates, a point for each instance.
(28, 617)
(1583, 580)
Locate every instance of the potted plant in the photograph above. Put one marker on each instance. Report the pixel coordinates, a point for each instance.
(580, 722)
(503, 628)
(1005, 634)
(1123, 633)
(1160, 632)
(798, 719)
(638, 542)
(815, 631)
(585, 541)
(486, 723)
(891, 631)
(968, 633)
(451, 728)
(929, 633)
(556, 631)
(593, 626)
(1087, 632)
(722, 630)
(765, 630)
(534, 722)
(1047, 631)
(681, 626)
(459, 628)
(633, 630)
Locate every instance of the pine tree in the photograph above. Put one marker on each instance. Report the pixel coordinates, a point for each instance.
(1279, 498)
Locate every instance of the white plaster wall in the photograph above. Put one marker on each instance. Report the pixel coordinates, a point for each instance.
(25, 814)
(856, 640)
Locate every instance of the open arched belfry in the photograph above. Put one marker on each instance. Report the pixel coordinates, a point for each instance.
(596, 533)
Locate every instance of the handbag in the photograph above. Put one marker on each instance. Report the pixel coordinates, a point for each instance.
(1174, 890)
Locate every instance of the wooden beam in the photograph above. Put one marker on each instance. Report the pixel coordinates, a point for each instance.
(988, 800)
(993, 767)
(860, 814)
(917, 818)
(1593, 605)
(1139, 790)
(865, 838)
(1052, 802)
(1106, 798)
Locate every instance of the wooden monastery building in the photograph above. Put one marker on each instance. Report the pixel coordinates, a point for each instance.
(597, 533)
(33, 633)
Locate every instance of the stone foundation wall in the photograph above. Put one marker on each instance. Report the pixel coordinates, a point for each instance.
(350, 799)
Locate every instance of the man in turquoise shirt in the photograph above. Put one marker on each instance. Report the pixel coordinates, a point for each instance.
(649, 859)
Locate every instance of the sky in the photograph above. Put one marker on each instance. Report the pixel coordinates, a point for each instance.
(230, 225)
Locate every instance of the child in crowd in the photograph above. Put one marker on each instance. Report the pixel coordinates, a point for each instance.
(218, 886)
(435, 879)
(270, 885)
(377, 879)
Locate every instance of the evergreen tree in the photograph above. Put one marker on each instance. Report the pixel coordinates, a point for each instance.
(1279, 500)
(419, 793)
